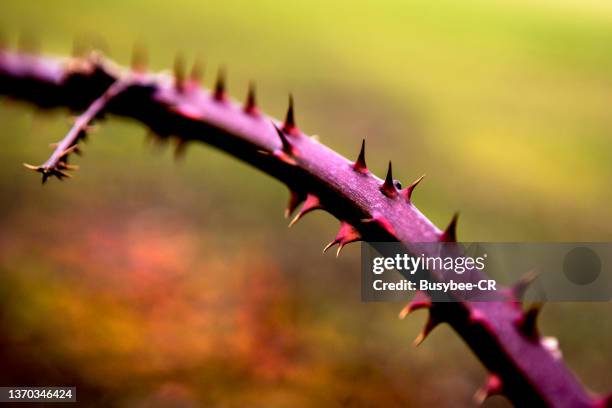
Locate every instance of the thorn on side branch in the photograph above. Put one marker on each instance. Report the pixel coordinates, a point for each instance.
(58, 162)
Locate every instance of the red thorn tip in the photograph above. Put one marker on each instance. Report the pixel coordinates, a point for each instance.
(250, 106)
(312, 203)
(360, 164)
(289, 126)
(527, 323)
(179, 73)
(493, 386)
(388, 187)
(420, 301)
(346, 235)
(219, 92)
(294, 200)
(429, 326)
(450, 234)
(408, 190)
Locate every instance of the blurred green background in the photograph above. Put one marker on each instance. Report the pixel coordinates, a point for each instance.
(152, 283)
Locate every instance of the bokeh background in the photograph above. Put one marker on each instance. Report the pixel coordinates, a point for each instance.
(146, 282)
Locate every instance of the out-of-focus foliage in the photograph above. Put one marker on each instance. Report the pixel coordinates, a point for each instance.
(143, 281)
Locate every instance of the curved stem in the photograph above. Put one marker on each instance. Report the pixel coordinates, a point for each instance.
(522, 367)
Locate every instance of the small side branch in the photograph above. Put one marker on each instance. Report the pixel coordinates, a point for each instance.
(57, 165)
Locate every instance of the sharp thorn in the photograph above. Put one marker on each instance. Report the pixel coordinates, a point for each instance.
(287, 147)
(408, 190)
(311, 203)
(61, 174)
(331, 244)
(346, 234)
(72, 149)
(450, 234)
(429, 326)
(420, 301)
(289, 125)
(250, 105)
(527, 323)
(388, 187)
(62, 165)
(520, 287)
(31, 167)
(219, 92)
(419, 339)
(360, 164)
(294, 201)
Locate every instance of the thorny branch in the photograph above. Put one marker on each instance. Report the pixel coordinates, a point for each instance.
(57, 165)
(524, 366)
